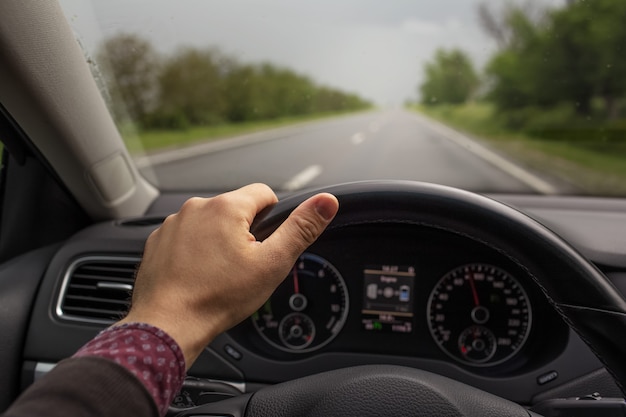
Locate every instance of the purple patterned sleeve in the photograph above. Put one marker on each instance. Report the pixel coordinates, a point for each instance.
(148, 352)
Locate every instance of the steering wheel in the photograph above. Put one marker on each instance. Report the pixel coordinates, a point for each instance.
(578, 291)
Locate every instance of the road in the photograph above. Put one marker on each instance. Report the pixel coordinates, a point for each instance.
(392, 144)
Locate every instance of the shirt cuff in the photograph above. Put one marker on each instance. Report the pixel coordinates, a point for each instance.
(148, 352)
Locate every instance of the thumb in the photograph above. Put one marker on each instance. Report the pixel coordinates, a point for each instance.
(303, 226)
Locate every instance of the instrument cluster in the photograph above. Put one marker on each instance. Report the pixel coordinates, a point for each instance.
(406, 291)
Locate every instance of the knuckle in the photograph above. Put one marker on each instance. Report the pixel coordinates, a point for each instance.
(191, 204)
(263, 187)
(153, 236)
(169, 219)
(308, 229)
(222, 203)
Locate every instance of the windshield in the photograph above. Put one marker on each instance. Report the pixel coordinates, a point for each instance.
(490, 96)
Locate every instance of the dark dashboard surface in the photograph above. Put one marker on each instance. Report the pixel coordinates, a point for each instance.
(377, 257)
(391, 304)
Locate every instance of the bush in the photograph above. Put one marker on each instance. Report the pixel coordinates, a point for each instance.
(171, 120)
(561, 123)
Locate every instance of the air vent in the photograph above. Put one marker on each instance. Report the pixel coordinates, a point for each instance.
(97, 289)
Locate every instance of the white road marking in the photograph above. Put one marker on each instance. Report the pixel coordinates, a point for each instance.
(493, 158)
(303, 178)
(358, 138)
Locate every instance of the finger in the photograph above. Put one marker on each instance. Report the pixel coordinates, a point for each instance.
(303, 226)
(252, 199)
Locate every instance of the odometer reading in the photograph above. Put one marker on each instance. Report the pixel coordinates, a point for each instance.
(307, 310)
(479, 314)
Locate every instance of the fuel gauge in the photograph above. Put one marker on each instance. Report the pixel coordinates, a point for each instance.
(477, 344)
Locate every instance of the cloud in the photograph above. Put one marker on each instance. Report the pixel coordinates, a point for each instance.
(431, 28)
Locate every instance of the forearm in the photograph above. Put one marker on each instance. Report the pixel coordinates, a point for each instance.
(133, 364)
(203, 272)
(87, 386)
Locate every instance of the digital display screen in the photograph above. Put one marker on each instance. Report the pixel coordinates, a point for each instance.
(388, 298)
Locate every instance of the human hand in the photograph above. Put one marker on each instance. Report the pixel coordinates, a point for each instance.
(203, 271)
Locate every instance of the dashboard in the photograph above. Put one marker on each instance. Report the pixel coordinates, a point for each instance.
(382, 292)
(407, 291)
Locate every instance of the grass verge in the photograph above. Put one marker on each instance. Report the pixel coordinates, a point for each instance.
(154, 140)
(586, 166)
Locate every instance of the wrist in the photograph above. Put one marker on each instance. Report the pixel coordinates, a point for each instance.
(190, 342)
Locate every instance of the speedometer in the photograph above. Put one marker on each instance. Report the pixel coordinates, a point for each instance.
(479, 314)
(307, 310)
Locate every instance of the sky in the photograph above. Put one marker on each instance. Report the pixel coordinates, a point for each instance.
(375, 48)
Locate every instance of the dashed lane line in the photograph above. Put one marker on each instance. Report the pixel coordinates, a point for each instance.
(357, 138)
(302, 178)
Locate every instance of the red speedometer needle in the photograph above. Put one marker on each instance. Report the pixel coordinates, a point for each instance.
(296, 284)
(474, 292)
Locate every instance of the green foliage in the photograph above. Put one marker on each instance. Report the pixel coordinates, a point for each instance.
(512, 71)
(189, 86)
(131, 67)
(591, 159)
(537, 120)
(450, 78)
(163, 137)
(570, 57)
(204, 87)
(265, 92)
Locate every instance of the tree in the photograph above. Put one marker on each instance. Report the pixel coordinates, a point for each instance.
(588, 44)
(497, 22)
(513, 72)
(132, 67)
(259, 92)
(191, 89)
(203, 86)
(577, 53)
(450, 78)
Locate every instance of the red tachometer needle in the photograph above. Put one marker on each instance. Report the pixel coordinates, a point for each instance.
(296, 284)
(474, 292)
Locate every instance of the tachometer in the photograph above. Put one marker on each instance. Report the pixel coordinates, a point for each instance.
(307, 310)
(479, 314)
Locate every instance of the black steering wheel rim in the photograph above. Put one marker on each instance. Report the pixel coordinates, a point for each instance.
(579, 292)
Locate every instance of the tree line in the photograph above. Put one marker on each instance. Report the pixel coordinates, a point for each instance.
(554, 70)
(206, 86)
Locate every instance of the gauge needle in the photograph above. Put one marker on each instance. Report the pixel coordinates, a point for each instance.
(296, 284)
(474, 292)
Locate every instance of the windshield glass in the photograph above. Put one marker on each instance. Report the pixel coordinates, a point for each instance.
(490, 96)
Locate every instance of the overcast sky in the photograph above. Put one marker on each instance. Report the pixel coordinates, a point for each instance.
(376, 48)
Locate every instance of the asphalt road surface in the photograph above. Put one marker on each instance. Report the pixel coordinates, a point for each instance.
(392, 144)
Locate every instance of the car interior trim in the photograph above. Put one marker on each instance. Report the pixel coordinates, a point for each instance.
(36, 36)
(61, 314)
